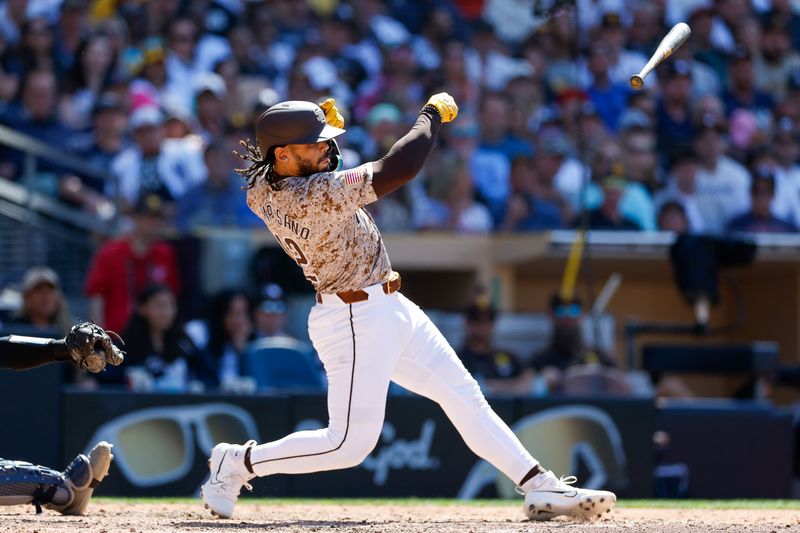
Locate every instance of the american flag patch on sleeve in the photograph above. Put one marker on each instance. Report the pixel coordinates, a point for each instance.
(353, 176)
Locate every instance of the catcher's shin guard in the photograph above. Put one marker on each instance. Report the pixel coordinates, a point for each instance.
(22, 483)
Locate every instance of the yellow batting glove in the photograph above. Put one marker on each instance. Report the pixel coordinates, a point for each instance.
(332, 115)
(445, 105)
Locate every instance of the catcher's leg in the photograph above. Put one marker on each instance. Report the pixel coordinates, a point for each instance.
(82, 476)
(67, 492)
(22, 483)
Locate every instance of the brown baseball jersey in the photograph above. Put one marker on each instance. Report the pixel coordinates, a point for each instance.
(320, 221)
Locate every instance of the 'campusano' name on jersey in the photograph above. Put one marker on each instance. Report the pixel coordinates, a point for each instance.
(283, 219)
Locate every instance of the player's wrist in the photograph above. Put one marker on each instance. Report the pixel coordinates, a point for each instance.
(59, 350)
(432, 112)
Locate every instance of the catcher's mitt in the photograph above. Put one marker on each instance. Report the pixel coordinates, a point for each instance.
(91, 348)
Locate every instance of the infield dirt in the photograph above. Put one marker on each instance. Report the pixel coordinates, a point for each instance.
(115, 517)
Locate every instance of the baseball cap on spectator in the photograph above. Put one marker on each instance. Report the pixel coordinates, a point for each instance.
(544, 116)
(271, 299)
(39, 275)
(673, 69)
(210, 82)
(555, 145)
(634, 119)
(320, 72)
(383, 112)
(480, 308)
(762, 174)
(149, 204)
(683, 154)
(700, 9)
(611, 19)
(146, 116)
(107, 102)
(710, 121)
(389, 32)
(740, 53)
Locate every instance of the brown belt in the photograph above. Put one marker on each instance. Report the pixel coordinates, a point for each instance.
(360, 295)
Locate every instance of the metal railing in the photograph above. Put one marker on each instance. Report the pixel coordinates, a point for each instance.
(36, 228)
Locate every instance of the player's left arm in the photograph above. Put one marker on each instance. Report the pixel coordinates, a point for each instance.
(408, 155)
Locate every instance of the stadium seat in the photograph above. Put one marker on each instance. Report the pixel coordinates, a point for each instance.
(282, 363)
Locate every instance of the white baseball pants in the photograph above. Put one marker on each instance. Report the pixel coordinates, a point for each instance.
(364, 346)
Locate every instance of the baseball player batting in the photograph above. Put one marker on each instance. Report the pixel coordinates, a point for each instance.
(88, 347)
(366, 332)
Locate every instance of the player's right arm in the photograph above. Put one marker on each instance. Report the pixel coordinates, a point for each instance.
(408, 155)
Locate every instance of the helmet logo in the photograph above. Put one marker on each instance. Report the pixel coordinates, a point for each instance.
(319, 114)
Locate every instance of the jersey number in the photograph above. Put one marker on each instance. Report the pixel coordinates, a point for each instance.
(299, 256)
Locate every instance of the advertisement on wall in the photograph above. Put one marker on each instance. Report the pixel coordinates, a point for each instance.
(162, 443)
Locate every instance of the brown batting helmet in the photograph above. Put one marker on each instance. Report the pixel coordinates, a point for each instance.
(293, 122)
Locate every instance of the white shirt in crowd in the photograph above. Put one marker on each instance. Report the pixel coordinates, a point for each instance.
(722, 193)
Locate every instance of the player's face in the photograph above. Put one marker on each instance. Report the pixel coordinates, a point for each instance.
(308, 159)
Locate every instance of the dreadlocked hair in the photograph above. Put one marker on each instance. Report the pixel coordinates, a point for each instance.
(260, 166)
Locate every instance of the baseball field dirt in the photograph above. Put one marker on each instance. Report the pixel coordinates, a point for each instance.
(114, 516)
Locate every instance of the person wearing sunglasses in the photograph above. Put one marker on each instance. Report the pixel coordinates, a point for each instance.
(566, 348)
(88, 347)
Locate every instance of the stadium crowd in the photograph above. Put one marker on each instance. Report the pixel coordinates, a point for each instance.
(157, 95)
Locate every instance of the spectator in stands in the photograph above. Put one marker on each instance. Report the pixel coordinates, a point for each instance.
(36, 50)
(451, 205)
(633, 205)
(786, 148)
(759, 219)
(86, 80)
(566, 348)
(148, 88)
(681, 189)
(777, 59)
(701, 20)
(742, 90)
(559, 176)
(155, 166)
(639, 151)
(623, 60)
(36, 116)
(497, 370)
(492, 180)
(44, 306)
(673, 119)
(230, 327)
(270, 313)
(672, 217)
(156, 341)
(219, 201)
(97, 149)
(530, 208)
(722, 184)
(610, 98)
(123, 267)
(209, 102)
(608, 215)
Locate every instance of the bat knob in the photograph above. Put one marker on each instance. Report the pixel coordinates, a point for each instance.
(637, 82)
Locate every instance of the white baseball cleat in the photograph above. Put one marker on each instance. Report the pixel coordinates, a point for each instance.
(556, 497)
(227, 477)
